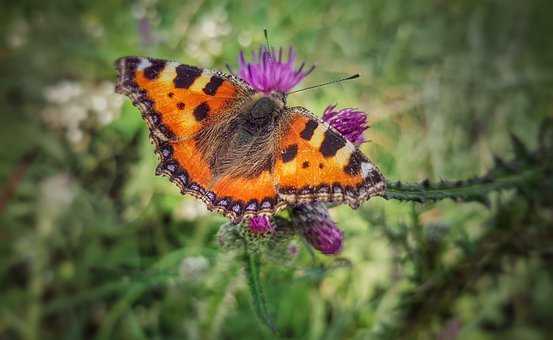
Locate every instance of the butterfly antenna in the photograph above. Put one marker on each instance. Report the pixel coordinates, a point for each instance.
(230, 69)
(324, 84)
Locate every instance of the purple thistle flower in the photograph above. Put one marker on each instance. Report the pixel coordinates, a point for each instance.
(349, 122)
(268, 72)
(318, 228)
(326, 237)
(260, 225)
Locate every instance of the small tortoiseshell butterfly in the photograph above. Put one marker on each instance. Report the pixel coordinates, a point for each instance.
(242, 152)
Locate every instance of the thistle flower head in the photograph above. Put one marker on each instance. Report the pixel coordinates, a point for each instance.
(260, 225)
(349, 122)
(325, 236)
(268, 72)
(318, 228)
(256, 233)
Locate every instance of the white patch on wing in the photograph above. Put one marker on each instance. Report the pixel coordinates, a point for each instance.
(144, 63)
(366, 169)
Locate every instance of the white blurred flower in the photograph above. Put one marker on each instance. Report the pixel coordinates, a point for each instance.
(104, 103)
(139, 9)
(56, 193)
(71, 104)
(245, 39)
(63, 92)
(190, 210)
(17, 34)
(74, 135)
(206, 36)
(193, 267)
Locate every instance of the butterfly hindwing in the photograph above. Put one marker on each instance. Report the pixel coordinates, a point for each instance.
(178, 102)
(316, 163)
(235, 198)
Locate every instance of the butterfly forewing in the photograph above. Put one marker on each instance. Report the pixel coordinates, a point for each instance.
(177, 100)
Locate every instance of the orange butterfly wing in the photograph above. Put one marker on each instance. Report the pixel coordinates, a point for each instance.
(317, 163)
(177, 101)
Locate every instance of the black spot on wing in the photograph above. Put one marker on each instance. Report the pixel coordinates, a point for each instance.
(354, 164)
(289, 153)
(180, 105)
(201, 111)
(309, 129)
(152, 72)
(331, 144)
(375, 177)
(186, 75)
(129, 61)
(211, 87)
(305, 164)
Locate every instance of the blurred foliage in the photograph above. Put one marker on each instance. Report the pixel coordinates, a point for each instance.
(93, 245)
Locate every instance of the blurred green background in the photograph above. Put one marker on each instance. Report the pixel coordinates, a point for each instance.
(93, 245)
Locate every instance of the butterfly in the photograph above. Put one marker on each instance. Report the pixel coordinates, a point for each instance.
(242, 152)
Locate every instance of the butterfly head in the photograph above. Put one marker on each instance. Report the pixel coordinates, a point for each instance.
(267, 106)
(278, 97)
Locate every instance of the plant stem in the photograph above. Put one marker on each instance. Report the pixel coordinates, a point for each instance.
(475, 189)
(252, 263)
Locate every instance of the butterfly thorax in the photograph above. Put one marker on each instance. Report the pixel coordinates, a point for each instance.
(245, 146)
(261, 117)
